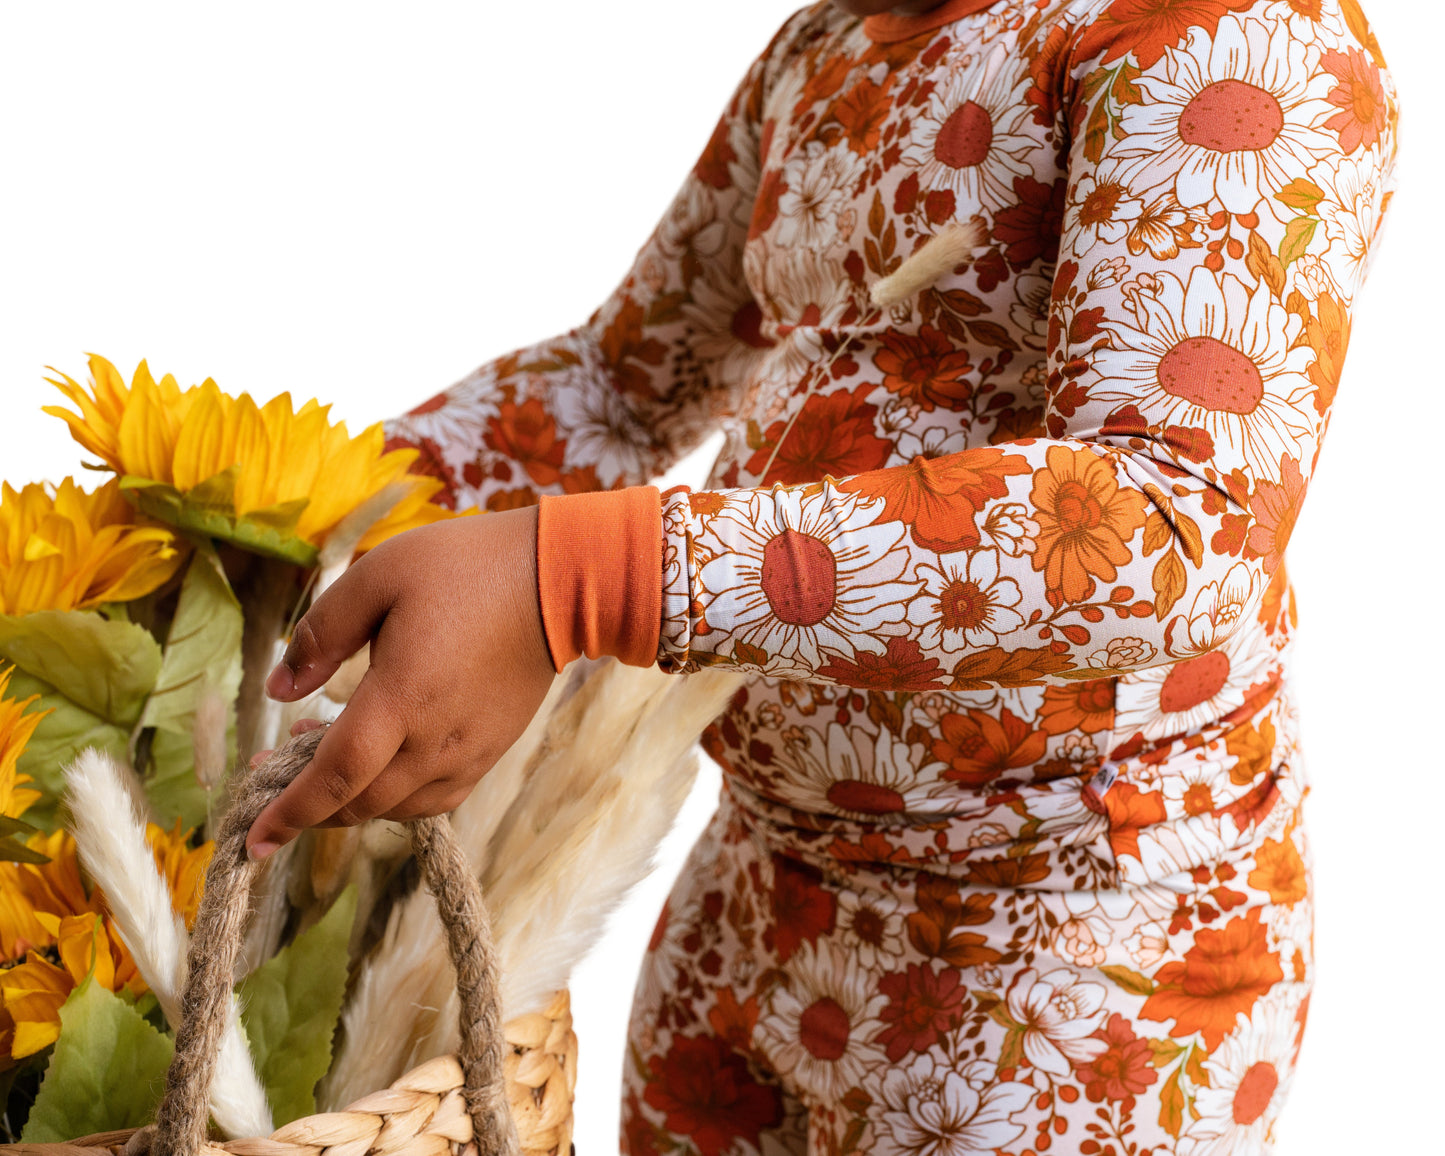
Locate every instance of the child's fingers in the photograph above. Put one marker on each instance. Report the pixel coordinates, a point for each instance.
(337, 625)
(400, 779)
(359, 745)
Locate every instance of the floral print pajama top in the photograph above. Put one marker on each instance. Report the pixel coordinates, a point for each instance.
(1009, 856)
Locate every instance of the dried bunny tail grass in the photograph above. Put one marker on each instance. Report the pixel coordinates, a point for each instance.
(403, 983)
(950, 246)
(111, 840)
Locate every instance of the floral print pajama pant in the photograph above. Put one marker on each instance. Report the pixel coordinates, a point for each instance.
(1113, 982)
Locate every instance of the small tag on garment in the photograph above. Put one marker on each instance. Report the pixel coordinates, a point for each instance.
(1098, 786)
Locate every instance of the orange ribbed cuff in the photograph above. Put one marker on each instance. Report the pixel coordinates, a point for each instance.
(599, 574)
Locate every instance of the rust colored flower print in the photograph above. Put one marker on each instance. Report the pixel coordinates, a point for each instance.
(527, 434)
(924, 1006)
(1275, 507)
(1146, 28)
(1280, 871)
(1124, 1069)
(901, 666)
(926, 369)
(706, 1093)
(802, 909)
(1218, 979)
(978, 747)
(940, 500)
(833, 436)
(1086, 520)
(1359, 96)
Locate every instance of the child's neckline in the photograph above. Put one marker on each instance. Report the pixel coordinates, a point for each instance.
(890, 28)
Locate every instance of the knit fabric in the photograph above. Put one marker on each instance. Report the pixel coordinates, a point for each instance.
(1010, 854)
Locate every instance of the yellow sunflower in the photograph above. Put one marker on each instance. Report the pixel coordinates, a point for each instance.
(283, 477)
(16, 727)
(53, 933)
(65, 549)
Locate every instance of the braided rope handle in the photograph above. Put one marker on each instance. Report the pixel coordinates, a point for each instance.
(216, 941)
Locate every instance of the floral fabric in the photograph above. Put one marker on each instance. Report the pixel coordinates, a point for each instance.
(1010, 854)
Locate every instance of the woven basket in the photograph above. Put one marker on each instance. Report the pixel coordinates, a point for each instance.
(449, 1106)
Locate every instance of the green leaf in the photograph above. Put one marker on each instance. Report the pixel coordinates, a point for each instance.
(104, 667)
(108, 1069)
(171, 785)
(1300, 194)
(1131, 981)
(1011, 1053)
(209, 509)
(60, 736)
(1297, 237)
(291, 1004)
(12, 826)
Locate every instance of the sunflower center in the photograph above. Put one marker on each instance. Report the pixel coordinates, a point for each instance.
(1098, 206)
(964, 139)
(964, 606)
(800, 578)
(867, 798)
(1076, 508)
(1254, 1093)
(1230, 116)
(823, 1029)
(1206, 372)
(1193, 681)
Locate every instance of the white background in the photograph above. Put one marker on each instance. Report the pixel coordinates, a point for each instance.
(361, 203)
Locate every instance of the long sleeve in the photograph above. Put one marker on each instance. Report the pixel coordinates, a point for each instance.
(617, 400)
(1218, 189)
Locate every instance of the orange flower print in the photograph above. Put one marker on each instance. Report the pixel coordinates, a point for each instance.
(1086, 706)
(1359, 96)
(622, 344)
(940, 500)
(979, 747)
(1130, 810)
(861, 111)
(833, 436)
(1280, 871)
(1328, 335)
(1275, 507)
(527, 434)
(925, 368)
(1219, 978)
(1086, 520)
(1147, 27)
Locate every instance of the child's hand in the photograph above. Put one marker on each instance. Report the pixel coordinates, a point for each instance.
(459, 665)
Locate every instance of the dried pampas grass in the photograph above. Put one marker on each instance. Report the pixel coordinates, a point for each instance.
(559, 831)
(111, 840)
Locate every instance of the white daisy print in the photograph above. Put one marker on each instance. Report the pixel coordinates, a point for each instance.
(1249, 1077)
(817, 1026)
(1213, 356)
(1101, 210)
(804, 570)
(870, 924)
(965, 602)
(852, 773)
(967, 139)
(1229, 117)
(1173, 699)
